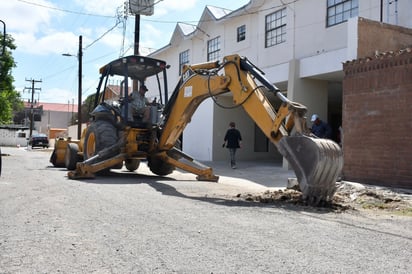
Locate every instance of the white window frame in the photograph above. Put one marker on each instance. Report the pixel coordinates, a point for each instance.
(241, 33)
(275, 28)
(183, 60)
(339, 11)
(213, 49)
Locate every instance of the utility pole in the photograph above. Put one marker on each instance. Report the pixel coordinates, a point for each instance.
(136, 34)
(136, 42)
(79, 108)
(32, 102)
(137, 8)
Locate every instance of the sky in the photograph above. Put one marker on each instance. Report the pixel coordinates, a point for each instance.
(44, 30)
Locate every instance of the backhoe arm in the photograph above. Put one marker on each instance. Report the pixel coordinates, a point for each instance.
(202, 81)
(316, 162)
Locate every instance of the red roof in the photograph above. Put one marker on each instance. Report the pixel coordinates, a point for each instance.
(54, 106)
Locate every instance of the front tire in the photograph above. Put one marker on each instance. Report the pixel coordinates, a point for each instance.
(159, 167)
(71, 157)
(132, 164)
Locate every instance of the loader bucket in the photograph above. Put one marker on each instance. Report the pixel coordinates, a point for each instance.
(317, 164)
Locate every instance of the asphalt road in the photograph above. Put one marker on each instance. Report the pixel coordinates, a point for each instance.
(140, 223)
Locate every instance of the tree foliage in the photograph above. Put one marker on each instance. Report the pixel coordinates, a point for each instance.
(10, 100)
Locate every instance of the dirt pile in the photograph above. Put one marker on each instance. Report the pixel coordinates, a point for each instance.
(348, 196)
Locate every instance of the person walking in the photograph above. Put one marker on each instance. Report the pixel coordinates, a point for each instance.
(233, 141)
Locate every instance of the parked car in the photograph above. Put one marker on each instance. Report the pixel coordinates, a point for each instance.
(39, 140)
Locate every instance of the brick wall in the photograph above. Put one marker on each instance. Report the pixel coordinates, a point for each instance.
(377, 119)
(380, 37)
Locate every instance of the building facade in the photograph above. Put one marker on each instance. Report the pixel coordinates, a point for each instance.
(300, 45)
(52, 115)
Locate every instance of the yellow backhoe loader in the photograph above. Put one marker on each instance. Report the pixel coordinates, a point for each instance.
(113, 137)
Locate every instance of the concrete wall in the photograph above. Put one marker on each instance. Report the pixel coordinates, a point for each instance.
(200, 129)
(377, 96)
(53, 119)
(223, 116)
(14, 137)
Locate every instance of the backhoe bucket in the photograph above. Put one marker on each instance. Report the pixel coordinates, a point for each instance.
(317, 164)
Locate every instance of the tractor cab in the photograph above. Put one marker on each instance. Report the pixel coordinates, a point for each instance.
(123, 76)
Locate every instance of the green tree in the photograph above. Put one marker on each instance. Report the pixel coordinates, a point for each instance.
(10, 100)
(87, 108)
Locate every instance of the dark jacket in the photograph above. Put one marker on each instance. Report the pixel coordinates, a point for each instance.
(233, 137)
(322, 130)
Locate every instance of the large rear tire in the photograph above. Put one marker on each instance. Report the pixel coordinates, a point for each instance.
(100, 134)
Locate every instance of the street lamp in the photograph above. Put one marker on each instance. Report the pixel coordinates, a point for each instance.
(79, 107)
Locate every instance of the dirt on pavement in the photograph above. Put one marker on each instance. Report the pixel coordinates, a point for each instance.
(348, 197)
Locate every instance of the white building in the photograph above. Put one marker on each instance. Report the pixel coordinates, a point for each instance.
(299, 44)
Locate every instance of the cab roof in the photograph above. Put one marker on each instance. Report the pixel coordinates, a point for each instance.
(138, 67)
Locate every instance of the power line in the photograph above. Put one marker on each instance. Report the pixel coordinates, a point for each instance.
(64, 10)
(104, 34)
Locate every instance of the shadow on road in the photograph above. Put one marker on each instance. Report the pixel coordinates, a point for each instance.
(205, 193)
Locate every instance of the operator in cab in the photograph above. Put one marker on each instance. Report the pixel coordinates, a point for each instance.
(139, 105)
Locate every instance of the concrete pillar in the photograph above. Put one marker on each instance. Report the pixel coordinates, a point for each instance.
(313, 93)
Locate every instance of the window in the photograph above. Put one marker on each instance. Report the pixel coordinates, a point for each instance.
(183, 60)
(275, 28)
(341, 10)
(241, 33)
(213, 48)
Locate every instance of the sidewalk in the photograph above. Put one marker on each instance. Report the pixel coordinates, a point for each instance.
(264, 173)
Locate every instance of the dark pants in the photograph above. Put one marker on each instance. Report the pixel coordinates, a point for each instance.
(232, 152)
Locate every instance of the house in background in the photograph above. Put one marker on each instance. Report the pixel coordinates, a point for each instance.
(52, 119)
(300, 45)
(51, 115)
(112, 92)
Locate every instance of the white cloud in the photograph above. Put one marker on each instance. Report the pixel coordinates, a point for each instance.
(112, 39)
(30, 24)
(58, 95)
(23, 17)
(151, 36)
(176, 5)
(101, 7)
(58, 42)
(86, 31)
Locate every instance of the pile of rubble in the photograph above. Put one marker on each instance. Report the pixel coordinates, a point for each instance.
(349, 196)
